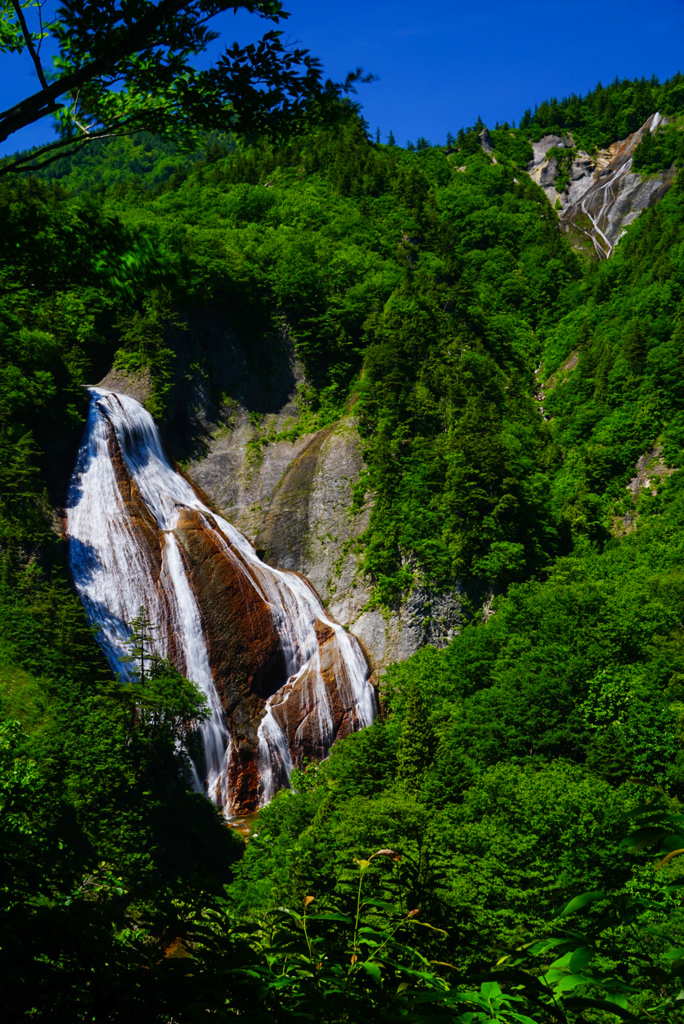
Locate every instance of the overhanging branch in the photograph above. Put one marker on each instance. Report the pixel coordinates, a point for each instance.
(29, 43)
(135, 39)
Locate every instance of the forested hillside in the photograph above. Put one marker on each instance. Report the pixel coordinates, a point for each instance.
(522, 415)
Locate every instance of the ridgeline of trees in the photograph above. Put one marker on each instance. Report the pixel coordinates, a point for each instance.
(608, 112)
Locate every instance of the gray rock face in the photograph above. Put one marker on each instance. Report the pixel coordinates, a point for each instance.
(581, 179)
(292, 495)
(136, 385)
(296, 504)
(603, 196)
(545, 171)
(548, 173)
(541, 148)
(424, 618)
(237, 426)
(615, 196)
(486, 141)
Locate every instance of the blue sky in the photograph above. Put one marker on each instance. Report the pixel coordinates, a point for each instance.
(441, 64)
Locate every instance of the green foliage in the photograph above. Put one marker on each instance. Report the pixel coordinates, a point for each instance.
(368, 256)
(163, 704)
(659, 150)
(131, 165)
(18, 776)
(416, 743)
(424, 288)
(104, 851)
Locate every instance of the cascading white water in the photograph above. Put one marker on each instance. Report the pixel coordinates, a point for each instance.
(115, 574)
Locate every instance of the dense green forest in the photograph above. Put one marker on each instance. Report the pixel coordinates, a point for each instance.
(505, 387)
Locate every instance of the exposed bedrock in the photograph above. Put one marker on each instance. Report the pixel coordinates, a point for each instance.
(141, 519)
(245, 651)
(290, 493)
(296, 504)
(249, 667)
(281, 679)
(603, 195)
(295, 706)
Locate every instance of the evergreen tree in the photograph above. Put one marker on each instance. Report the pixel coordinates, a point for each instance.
(140, 644)
(417, 743)
(608, 755)
(636, 346)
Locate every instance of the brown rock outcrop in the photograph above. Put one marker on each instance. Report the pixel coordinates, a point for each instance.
(297, 707)
(141, 519)
(249, 666)
(282, 681)
(245, 652)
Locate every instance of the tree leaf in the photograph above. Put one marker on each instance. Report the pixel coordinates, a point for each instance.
(581, 901)
(644, 837)
(372, 969)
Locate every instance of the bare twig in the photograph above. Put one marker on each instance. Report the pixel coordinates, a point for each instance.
(20, 163)
(29, 43)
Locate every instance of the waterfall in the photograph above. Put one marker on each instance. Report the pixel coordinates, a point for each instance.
(125, 501)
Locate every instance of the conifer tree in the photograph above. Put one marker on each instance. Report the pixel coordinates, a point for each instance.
(140, 645)
(417, 743)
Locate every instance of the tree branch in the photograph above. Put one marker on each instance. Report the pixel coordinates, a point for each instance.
(136, 38)
(18, 165)
(29, 43)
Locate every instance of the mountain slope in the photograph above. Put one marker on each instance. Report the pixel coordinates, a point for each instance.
(403, 345)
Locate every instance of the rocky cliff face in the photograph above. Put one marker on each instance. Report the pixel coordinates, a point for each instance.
(603, 195)
(291, 493)
(294, 500)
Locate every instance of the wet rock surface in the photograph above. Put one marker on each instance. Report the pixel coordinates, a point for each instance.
(250, 669)
(303, 517)
(603, 196)
(245, 651)
(281, 680)
(295, 709)
(135, 508)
